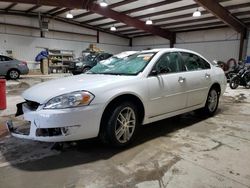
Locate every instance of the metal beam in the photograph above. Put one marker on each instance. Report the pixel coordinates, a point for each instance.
(61, 11)
(138, 9)
(114, 5)
(131, 21)
(37, 28)
(53, 10)
(188, 21)
(35, 15)
(33, 8)
(153, 14)
(10, 6)
(224, 15)
(230, 7)
(82, 15)
(193, 6)
(107, 12)
(198, 27)
(162, 3)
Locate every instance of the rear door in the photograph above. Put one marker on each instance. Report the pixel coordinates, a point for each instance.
(198, 78)
(167, 90)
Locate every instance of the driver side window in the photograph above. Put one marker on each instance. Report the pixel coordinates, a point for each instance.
(168, 63)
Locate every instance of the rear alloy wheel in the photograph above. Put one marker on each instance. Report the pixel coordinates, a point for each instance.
(212, 102)
(13, 74)
(121, 127)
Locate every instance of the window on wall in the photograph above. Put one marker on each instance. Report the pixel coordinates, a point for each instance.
(193, 62)
(169, 63)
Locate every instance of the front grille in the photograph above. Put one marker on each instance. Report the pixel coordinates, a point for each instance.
(32, 105)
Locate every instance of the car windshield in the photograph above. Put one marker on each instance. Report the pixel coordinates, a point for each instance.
(110, 60)
(130, 65)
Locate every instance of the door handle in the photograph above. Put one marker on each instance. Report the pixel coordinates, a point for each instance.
(181, 79)
(207, 75)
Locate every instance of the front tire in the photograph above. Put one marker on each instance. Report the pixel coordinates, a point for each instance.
(212, 102)
(13, 74)
(234, 83)
(121, 126)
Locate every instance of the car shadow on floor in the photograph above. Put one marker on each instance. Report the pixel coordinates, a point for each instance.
(88, 151)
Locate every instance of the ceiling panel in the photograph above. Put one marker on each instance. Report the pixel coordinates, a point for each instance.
(136, 4)
(4, 5)
(165, 18)
(43, 9)
(22, 7)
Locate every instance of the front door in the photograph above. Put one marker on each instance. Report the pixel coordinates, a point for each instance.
(167, 87)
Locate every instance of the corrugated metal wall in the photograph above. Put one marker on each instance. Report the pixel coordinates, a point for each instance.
(26, 43)
(220, 44)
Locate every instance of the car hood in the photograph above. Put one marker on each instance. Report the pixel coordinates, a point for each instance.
(43, 92)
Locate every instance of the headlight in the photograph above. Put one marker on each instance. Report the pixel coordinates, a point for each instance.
(69, 100)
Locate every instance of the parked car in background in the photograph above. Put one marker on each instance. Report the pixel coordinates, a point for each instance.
(111, 100)
(117, 57)
(83, 64)
(12, 68)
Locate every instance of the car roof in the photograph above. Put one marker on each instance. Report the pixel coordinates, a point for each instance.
(173, 50)
(168, 50)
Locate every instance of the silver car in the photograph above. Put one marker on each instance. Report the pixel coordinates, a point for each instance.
(12, 68)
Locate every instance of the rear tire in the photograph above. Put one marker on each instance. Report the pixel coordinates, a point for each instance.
(120, 125)
(13, 74)
(211, 102)
(234, 83)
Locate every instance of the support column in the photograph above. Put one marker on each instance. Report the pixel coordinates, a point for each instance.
(97, 37)
(173, 40)
(131, 42)
(243, 45)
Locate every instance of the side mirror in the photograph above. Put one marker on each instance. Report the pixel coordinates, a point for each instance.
(154, 72)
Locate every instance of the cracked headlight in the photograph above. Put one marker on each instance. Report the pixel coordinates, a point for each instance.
(69, 100)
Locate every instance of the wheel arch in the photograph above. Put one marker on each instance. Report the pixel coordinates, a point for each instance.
(120, 98)
(7, 74)
(216, 86)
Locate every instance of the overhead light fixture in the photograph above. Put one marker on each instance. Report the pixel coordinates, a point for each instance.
(69, 15)
(103, 3)
(197, 13)
(113, 28)
(149, 22)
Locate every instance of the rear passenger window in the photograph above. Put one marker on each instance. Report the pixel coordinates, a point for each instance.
(193, 62)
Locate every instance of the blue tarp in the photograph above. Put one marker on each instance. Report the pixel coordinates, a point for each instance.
(42, 55)
(248, 59)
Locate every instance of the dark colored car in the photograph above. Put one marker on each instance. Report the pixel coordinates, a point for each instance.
(85, 63)
(12, 68)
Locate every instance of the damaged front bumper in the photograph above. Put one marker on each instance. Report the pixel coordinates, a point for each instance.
(55, 125)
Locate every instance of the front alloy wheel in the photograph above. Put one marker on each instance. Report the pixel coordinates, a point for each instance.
(120, 127)
(125, 125)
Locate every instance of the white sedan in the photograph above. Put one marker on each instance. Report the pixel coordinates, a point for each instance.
(113, 99)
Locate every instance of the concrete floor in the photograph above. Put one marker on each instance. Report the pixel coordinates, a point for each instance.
(184, 151)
